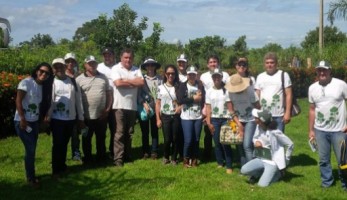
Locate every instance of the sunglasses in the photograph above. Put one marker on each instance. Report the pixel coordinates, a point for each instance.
(44, 72)
(170, 73)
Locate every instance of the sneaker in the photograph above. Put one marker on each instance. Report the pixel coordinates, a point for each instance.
(166, 161)
(154, 156)
(229, 171)
(252, 180)
(119, 163)
(145, 156)
(174, 162)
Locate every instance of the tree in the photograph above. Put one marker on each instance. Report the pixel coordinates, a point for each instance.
(39, 41)
(119, 31)
(337, 9)
(332, 35)
(200, 48)
(240, 46)
(150, 46)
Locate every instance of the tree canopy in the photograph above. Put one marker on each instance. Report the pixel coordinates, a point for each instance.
(332, 35)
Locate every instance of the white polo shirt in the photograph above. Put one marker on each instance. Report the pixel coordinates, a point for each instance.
(125, 97)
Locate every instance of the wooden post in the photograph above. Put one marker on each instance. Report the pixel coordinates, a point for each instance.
(309, 63)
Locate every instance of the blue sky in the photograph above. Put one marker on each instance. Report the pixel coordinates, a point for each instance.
(285, 22)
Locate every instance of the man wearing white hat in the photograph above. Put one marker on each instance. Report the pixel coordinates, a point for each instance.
(182, 62)
(327, 120)
(97, 99)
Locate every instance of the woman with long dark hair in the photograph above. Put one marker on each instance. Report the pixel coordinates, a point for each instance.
(168, 113)
(26, 120)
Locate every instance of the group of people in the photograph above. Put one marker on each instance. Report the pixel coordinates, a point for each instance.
(181, 102)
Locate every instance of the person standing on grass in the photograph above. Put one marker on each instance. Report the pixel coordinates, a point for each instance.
(206, 79)
(191, 95)
(66, 105)
(127, 80)
(244, 99)
(273, 150)
(26, 119)
(147, 97)
(269, 90)
(168, 113)
(327, 120)
(218, 110)
(72, 71)
(182, 63)
(97, 99)
(106, 69)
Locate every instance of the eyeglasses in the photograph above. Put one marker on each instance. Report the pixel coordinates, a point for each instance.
(70, 61)
(170, 73)
(44, 72)
(242, 65)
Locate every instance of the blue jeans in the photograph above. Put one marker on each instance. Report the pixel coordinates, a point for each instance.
(75, 141)
(249, 129)
(280, 123)
(29, 141)
(191, 133)
(268, 173)
(221, 151)
(324, 141)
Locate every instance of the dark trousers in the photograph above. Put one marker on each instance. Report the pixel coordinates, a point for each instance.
(146, 126)
(99, 128)
(207, 153)
(125, 121)
(170, 125)
(112, 127)
(61, 132)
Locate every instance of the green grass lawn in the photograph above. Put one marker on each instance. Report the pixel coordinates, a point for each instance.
(149, 179)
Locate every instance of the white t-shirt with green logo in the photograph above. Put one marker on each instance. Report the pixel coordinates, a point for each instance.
(243, 103)
(330, 106)
(31, 99)
(218, 99)
(191, 111)
(271, 92)
(168, 99)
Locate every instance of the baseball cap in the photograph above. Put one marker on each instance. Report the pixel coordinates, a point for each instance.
(108, 50)
(323, 64)
(70, 56)
(90, 58)
(217, 71)
(192, 70)
(182, 57)
(263, 115)
(58, 60)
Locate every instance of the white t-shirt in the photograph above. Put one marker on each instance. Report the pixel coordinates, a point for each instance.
(207, 81)
(271, 92)
(107, 71)
(330, 106)
(168, 99)
(125, 97)
(243, 103)
(191, 111)
(31, 100)
(182, 77)
(218, 99)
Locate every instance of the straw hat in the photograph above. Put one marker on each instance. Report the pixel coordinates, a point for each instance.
(237, 83)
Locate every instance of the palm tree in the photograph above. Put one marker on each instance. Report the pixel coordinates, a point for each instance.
(337, 9)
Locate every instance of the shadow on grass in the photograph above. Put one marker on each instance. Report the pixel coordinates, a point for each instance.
(110, 183)
(302, 160)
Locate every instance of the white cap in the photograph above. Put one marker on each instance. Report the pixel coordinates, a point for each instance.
(192, 70)
(90, 58)
(323, 64)
(182, 57)
(70, 56)
(58, 60)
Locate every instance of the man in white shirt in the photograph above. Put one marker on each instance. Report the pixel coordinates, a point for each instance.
(327, 120)
(127, 79)
(268, 87)
(207, 81)
(105, 68)
(182, 67)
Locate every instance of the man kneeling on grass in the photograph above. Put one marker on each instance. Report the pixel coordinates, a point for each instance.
(269, 145)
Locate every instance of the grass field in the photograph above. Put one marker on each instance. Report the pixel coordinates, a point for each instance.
(149, 179)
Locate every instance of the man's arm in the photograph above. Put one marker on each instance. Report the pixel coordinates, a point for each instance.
(311, 119)
(288, 102)
(129, 83)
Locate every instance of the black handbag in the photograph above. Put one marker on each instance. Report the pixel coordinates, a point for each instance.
(343, 158)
